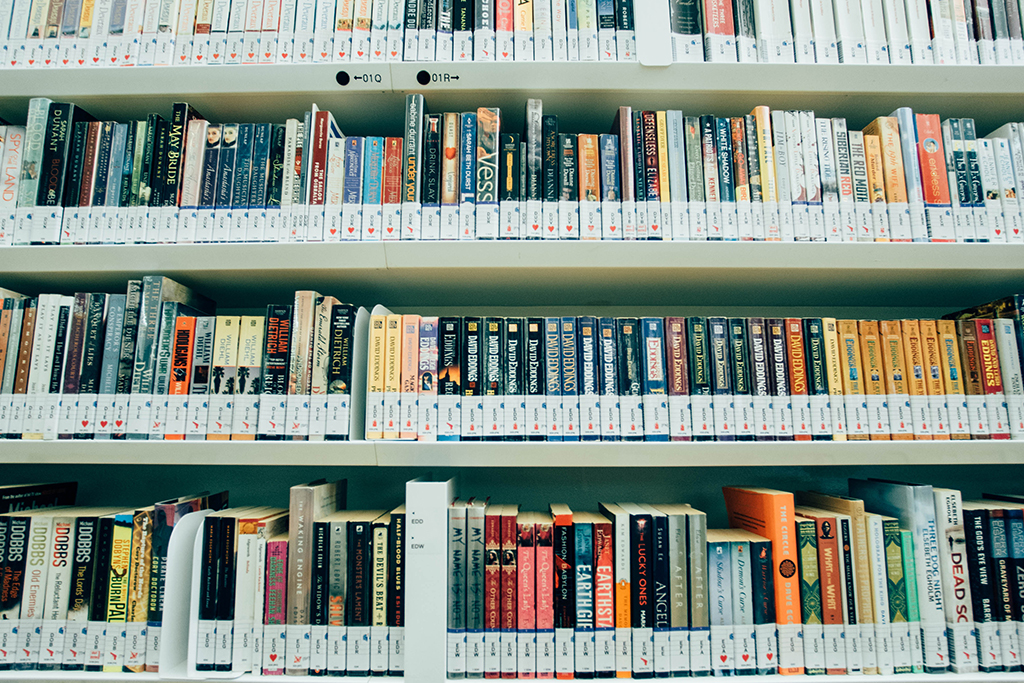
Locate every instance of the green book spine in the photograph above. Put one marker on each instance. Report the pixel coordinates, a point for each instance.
(897, 587)
(913, 609)
(810, 596)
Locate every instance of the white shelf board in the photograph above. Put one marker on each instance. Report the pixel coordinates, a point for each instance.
(101, 677)
(542, 273)
(991, 94)
(512, 454)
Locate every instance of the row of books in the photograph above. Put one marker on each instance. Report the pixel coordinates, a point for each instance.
(769, 175)
(693, 379)
(893, 578)
(69, 33)
(156, 363)
(72, 34)
(315, 589)
(94, 597)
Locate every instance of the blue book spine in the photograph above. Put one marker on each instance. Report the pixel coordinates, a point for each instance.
(243, 166)
(606, 15)
(584, 562)
(570, 380)
(116, 164)
(467, 158)
(260, 160)
(570, 11)
(609, 149)
(373, 170)
(608, 380)
(353, 187)
(553, 376)
(723, 146)
(226, 175)
(653, 378)
(589, 378)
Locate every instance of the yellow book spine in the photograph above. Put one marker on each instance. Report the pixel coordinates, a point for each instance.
(392, 377)
(375, 378)
(876, 174)
(589, 168)
(874, 380)
(952, 379)
(120, 580)
(933, 380)
(900, 418)
(662, 127)
(888, 132)
(524, 18)
(835, 378)
(853, 383)
(913, 361)
(410, 374)
(765, 155)
(224, 368)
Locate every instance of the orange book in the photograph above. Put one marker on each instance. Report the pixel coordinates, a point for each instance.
(181, 371)
(901, 422)
(888, 132)
(410, 374)
(770, 513)
(876, 176)
(932, 360)
(829, 578)
(798, 379)
(952, 380)
(874, 380)
(853, 381)
(913, 349)
(932, 158)
(590, 190)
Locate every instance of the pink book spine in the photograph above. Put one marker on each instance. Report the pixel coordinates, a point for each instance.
(275, 610)
(504, 15)
(544, 561)
(719, 17)
(526, 596)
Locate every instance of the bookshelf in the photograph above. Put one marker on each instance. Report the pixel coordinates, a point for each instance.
(546, 277)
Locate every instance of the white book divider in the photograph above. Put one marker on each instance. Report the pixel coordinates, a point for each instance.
(653, 38)
(426, 505)
(179, 629)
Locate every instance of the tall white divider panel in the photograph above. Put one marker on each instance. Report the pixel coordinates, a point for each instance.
(426, 588)
(653, 39)
(181, 612)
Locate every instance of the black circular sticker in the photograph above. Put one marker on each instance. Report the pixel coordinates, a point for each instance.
(787, 568)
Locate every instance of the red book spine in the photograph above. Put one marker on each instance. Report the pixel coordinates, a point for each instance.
(649, 126)
(719, 18)
(545, 583)
(318, 161)
(992, 380)
(934, 177)
(492, 587)
(828, 575)
(509, 534)
(181, 362)
(527, 595)
(604, 577)
(392, 171)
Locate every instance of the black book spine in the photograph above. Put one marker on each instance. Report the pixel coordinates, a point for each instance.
(211, 167)
(493, 360)
(473, 365)
(209, 580)
(449, 381)
(396, 571)
(641, 575)
(980, 571)
(181, 113)
(564, 551)
(127, 169)
(721, 371)
(662, 569)
(463, 15)
(99, 185)
(56, 372)
(509, 170)
(92, 351)
(339, 370)
(639, 166)
(740, 362)
(4, 532)
(535, 376)
(126, 358)
(243, 166)
(158, 173)
(275, 174)
(358, 612)
(568, 174)
(549, 168)
(779, 365)
(262, 133)
(1015, 539)
(55, 150)
(226, 163)
(82, 572)
(999, 553)
(149, 153)
(101, 575)
(225, 601)
(431, 190)
(700, 364)
(514, 369)
(412, 15)
(624, 15)
(275, 355)
(319, 594)
(73, 172)
(817, 374)
(629, 373)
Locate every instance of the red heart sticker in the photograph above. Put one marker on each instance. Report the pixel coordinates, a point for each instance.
(183, 57)
(302, 55)
(351, 230)
(216, 55)
(284, 55)
(360, 53)
(504, 54)
(85, 423)
(80, 62)
(394, 53)
(32, 61)
(612, 228)
(233, 55)
(103, 423)
(65, 61)
(199, 57)
(724, 657)
(273, 658)
(390, 230)
(47, 61)
(250, 55)
(334, 230)
(746, 657)
(769, 656)
(119, 422)
(324, 55)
